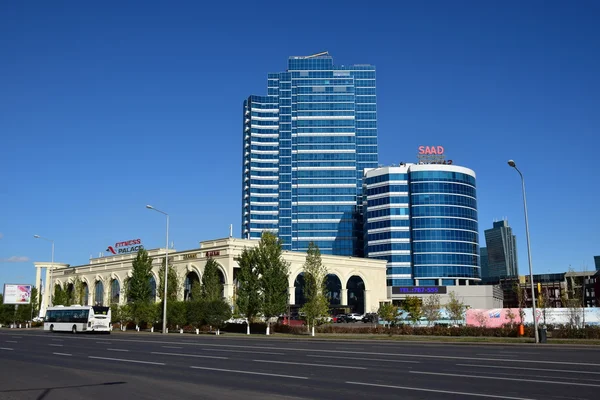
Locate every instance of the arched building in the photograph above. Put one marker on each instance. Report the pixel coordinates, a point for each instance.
(356, 282)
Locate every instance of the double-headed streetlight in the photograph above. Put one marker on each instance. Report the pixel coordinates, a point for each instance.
(535, 323)
(164, 328)
(50, 288)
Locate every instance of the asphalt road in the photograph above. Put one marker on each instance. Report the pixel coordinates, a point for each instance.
(40, 365)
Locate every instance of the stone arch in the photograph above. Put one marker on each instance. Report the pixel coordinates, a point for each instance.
(334, 289)
(299, 289)
(192, 278)
(115, 289)
(86, 292)
(98, 292)
(356, 293)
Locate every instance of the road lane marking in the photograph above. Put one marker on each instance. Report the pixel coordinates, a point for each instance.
(117, 350)
(63, 354)
(438, 391)
(55, 345)
(58, 340)
(366, 359)
(11, 341)
(124, 360)
(309, 364)
(172, 347)
(529, 369)
(244, 351)
(501, 379)
(103, 342)
(249, 372)
(17, 337)
(5, 348)
(188, 355)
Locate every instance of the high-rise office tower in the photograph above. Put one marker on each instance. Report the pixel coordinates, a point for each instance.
(306, 145)
(422, 219)
(502, 251)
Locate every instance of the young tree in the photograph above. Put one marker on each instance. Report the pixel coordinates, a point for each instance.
(248, 297)
(481, 319)
(511, 317)
(60, 297)
(273, 277)
(216, 313)
(138, 286)
(432, 309)
(172, 286)
(177, 313)
(456, 308)
(521, 300)
(195, 312)
(212, 288)
(412, 306)
(388, 312)
(315, 287)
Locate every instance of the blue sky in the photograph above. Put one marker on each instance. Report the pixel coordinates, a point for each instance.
(106, 107)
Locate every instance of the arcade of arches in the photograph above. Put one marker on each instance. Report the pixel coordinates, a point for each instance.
(356, 283)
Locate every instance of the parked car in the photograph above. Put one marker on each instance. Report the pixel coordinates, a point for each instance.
(370, 318)
(340, 318)
(354, 317)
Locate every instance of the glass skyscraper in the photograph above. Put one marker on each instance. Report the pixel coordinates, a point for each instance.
(306, 145)
(501, 252)
(422, 219)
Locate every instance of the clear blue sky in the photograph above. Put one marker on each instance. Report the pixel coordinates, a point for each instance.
(108, 106)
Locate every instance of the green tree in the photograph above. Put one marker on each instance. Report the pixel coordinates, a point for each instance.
(138, 285)
(173, 283)
(315, 287)
(195, 312)
(212, 288)
(60, 297)
(273, 272)
(455, 308)
(413, 307)
(432, 309)
(388, 312)
(176, 313)
(248, 298)
(216, 312)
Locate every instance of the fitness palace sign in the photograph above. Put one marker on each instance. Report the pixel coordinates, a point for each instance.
(126, 247)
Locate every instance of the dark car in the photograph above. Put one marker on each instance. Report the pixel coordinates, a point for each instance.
(370, 318)
(340, 318)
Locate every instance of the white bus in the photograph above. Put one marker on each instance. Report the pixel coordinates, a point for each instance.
(77, 319)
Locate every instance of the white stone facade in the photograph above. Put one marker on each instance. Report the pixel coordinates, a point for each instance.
(105, 270)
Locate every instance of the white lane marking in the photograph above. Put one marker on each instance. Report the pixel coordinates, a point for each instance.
(188, 355)
(17, 337)
(530, 369)
(438, 391)
(366, 359)
(250, 373)
(57, 340)
(172, 347)
(244, 351)
(11, 341)
(5, 348)
(104, 342)
(63, 354)
(309, 364)
(55, 345)
(501, 379)
(124, 360)
(505, 353)
(117, 350)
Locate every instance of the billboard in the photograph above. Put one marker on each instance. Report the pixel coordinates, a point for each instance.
(496, 317)
(17, 294)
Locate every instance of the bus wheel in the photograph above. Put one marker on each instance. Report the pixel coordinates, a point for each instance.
(51, 328)
(74, 329)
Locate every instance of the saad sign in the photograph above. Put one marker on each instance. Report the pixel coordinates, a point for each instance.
(126, 247)
(17, 294)
(432, 155)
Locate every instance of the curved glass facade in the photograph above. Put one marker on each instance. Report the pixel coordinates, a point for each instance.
(423, 220)
(444, 226)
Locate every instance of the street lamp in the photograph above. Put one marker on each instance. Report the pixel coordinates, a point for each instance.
(535, 323)
(50, 288)
(164, 328)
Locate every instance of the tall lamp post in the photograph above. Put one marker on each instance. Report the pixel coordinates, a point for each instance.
(164, 327)
(535, 323)
(50, 288)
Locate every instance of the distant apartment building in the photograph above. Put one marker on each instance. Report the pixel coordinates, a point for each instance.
(597, 262)
(501, 251)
